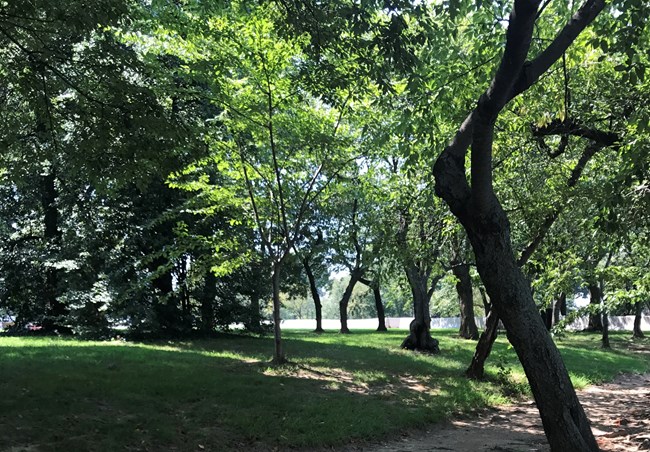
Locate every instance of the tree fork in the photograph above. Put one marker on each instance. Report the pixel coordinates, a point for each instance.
(479, 211)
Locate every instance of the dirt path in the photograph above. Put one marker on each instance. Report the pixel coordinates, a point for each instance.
(619, 412)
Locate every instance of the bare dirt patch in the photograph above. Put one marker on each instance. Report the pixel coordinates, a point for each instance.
(619, 412)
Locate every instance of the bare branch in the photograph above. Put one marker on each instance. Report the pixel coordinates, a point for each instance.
(251, 196)
(274, 154)
(570, 127)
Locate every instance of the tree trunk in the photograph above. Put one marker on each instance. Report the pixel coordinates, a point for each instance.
(564, 420)
(468, 329)
(548, 316)
(355, 275)
(559, 307)
(637, 333)
(278, 355)
(379, 305)
(605, 316)
(595, 319)
(55, 311)
(479, 211)
(207, 302)
(184, 294)
(476, 369)
(315, 296)
(254, 319)
(605, 339)
(419, 337)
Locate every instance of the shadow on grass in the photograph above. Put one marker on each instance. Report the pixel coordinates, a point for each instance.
(70, 395)
(223, 394)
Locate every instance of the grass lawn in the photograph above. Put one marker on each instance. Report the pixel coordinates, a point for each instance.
(220, 394)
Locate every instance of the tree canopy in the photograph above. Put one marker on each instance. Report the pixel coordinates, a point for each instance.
(176, 168)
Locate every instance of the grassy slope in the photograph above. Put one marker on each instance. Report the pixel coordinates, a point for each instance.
(221, 394)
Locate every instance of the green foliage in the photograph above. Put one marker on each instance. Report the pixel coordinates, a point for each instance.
(191, 145)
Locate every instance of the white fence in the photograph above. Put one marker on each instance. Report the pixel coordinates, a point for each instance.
(623, 323)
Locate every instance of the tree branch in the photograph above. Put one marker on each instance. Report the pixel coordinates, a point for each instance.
(251, 196)
(490, 104)
(449, 169)
(589, 151)
(538, 66)
(570, 127)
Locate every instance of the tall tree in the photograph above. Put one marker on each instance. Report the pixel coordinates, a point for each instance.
(480, 212)
(277, 144)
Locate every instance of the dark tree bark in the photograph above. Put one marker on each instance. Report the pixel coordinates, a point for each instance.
(637, 333)
(184, 294)
(605, 339)
(564, 420)
(355, 275)
(315, 295)
(379, 304)
(603, 310)
(548, 317)
(254, 324)
(476, 369)
(559, 307)
(595, 317)
(481, 214)
(552, 216)
(419, 337)
(208, 297)
(468, 328)
(55, 310)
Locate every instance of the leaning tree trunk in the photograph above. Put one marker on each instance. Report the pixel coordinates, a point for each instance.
(595, 319)
(419, 337)
(379, 305)
(315, 295)
(637, 333)
(355, 275)
(476, 369)
(482, 216)
(468, 329)
(564, 420)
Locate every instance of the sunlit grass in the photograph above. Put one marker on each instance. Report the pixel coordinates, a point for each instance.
(220, 394)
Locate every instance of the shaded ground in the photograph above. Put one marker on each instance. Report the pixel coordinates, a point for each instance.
(619, 412)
